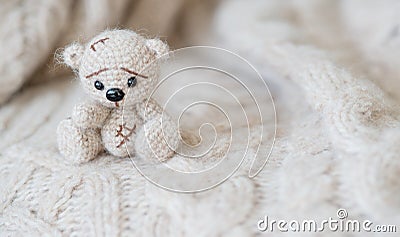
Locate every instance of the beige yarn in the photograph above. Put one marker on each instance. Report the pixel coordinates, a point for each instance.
(358, 117)
(320, 58)
(111, 58)
(28, 31)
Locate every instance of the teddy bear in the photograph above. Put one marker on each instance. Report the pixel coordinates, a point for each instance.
(118, 70)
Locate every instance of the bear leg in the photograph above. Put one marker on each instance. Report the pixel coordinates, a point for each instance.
(76, 144)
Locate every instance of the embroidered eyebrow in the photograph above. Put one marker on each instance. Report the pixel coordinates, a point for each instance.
(133, 72)
(99, 41)
(97, 73)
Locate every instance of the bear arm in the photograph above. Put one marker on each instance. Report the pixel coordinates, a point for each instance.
(149, 110)
(89, 115)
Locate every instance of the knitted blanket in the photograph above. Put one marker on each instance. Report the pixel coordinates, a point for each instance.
(332, 70)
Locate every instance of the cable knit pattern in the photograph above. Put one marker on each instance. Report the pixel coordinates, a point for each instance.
(357, 116)
(28, 31)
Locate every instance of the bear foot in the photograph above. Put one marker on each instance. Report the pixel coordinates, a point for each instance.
(78, 145)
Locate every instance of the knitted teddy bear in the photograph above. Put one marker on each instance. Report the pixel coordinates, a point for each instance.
(118, 69)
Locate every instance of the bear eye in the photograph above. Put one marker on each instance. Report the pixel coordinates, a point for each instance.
(99, 86)
(132, 81)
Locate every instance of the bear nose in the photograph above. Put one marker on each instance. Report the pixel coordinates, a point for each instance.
(115, 94)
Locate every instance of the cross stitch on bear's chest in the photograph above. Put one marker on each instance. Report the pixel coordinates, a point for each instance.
(119, 131)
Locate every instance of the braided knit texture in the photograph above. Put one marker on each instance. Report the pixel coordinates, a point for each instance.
(333, 72)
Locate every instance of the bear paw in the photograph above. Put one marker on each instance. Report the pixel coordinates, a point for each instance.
(78, 145)
(157, 140)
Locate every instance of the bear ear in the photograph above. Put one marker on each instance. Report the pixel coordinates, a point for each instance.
(159, 47)
(72, 55)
